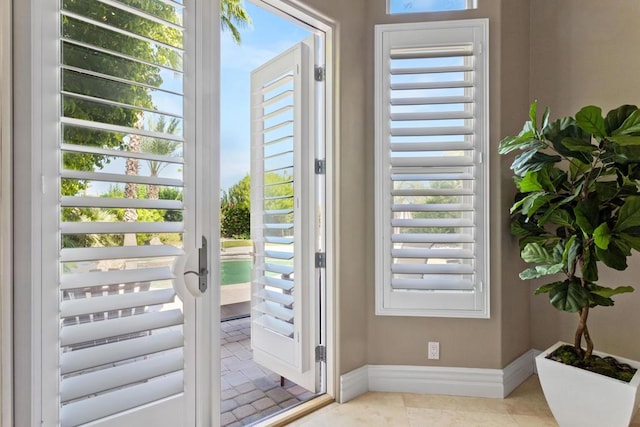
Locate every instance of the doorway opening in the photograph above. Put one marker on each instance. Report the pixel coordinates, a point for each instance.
(272, 213)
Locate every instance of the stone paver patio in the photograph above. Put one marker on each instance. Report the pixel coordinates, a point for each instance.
(250, 392)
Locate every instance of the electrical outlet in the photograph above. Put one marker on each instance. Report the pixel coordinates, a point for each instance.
(434, 350)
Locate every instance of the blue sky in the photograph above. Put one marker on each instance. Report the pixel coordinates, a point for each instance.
(266, 38)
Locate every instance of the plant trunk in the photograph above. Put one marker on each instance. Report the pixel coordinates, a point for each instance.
(131, 189)
(583, 331)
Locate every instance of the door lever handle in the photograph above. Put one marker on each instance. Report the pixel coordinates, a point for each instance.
(203, 267)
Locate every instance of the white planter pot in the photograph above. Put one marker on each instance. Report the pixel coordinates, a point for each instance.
(582, 398)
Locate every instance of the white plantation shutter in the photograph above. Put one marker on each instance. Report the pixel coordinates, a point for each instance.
(281, 215)
(122, 326)
(432, 169)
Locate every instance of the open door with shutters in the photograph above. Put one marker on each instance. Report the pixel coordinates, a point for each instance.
(121, 218)
(283, 302)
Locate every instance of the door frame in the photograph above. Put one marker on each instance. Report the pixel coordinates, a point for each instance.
(315, 21)
(6, 208)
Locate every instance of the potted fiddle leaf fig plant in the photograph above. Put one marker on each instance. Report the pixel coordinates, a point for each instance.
(577, 206)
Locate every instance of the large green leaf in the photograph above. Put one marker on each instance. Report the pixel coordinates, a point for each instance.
(598, 300)
(533, 114)
(590, 120)
(529, 183)
(629, 215)
(587, 213)
(547, 288)
(536, 253)
(632, 241)
(630, 125)
(609, 292)
(534, 162)
(626, 140)
(545, 118)
(615, 118)
(541, 270)
(531, 205)
(613, 256)
(571, 248)
(520, 142)
(579, 144)
(606, 191)
(571, 296)
(602, 236)
(561, 217)
(578, 168)
(589, 265)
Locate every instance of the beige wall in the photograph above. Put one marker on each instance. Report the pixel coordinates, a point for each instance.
(494, 342)
(363, 336)
(584, 52)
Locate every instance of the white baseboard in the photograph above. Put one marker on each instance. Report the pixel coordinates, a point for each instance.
(354, 383)
(496, 383)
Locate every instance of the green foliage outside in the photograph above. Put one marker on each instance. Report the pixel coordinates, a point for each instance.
(131, 98)
(235, 210)
(577, 204)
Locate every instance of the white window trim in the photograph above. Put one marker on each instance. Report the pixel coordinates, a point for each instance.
(470, 4)
(427, 303)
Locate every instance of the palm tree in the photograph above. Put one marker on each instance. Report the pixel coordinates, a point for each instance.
(161, 147)
(232, 16)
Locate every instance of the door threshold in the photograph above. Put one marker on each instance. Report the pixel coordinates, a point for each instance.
(296, 412)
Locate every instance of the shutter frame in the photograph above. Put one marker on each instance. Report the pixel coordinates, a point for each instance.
(408, 151)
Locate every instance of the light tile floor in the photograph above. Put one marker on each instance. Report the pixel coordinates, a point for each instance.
(524, 407)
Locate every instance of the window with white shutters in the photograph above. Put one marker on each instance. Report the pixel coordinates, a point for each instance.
(122, 149)
(432, 169)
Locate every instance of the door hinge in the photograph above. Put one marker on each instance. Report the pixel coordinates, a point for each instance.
(321, 353)
(318, 73)
(321, 166)
(321, 260)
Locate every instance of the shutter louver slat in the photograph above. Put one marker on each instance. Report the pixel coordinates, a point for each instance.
(432, 207)
(285, 285)
(431, 100)
(112, 202)
(118, 252)
(432, 161)
(113, 177)
(432, 268)
(278, 255)
(118, 376)
(428, 141)
(119, 129)
(120, 227)
(78, 307)
(91, 357)
(121, 153)
(432, 253)
(277, 297)
(280, 269)
(431, 131)
(430, 85)
(84, 411)
(276, 325)
(432, 238)
(434, 283)
(276, 310)
(85, 332)
(432, 70)
(432, 222)
(102, 278)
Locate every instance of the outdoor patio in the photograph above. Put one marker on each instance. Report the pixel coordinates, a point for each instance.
(250, 392)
